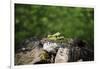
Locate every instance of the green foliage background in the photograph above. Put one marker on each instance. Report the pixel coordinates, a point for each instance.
(40, 20)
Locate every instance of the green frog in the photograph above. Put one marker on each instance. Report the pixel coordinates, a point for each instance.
(56, 36)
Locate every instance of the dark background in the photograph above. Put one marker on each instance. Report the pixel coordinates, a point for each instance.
(40, 20)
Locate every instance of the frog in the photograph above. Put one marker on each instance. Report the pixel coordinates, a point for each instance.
(56, 36)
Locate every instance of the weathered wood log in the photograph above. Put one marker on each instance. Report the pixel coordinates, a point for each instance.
(69, 50)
